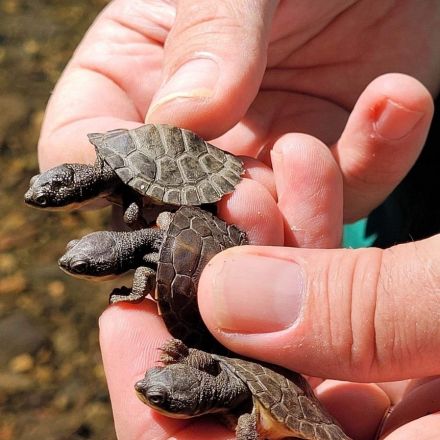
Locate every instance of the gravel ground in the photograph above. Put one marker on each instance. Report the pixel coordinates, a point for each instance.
(52, 384)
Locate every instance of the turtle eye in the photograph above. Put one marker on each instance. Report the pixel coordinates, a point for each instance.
(41, 200)
(79, 266)
(156, 397)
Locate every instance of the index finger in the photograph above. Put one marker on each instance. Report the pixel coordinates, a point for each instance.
(130, 336)
(108, 83)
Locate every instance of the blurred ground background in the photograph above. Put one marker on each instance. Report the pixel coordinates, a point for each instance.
(52, 384)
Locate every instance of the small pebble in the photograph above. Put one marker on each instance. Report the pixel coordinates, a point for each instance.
(18, 335)
(12, 284)
(7, 263)
(65, 340)
(56, 289)
(21, 363)
(31, 47)
(9, 6)
(11, 383)
(44, 374)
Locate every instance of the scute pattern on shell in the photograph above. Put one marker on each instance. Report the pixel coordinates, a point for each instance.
(288, 398)
(192, 239)
(169, 164)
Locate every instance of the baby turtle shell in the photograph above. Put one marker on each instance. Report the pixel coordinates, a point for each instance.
(169, 164)
(285, 403)
(193, 237)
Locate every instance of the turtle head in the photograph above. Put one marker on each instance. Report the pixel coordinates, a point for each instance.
(70, 185)
(53, 189)
(174, 390)
(94, 256)
(182, 390)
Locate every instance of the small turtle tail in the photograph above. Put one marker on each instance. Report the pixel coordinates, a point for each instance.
(98, 139)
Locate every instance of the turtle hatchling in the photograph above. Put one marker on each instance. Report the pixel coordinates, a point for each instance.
(167, 260)
(261, 401)
(151, 164)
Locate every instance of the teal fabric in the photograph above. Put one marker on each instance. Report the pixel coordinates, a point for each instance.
(412, 211)
(355, 235)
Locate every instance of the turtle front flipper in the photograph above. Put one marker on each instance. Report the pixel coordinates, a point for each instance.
(247, 427)
(144, 281)
(174, 351)
(133, 215)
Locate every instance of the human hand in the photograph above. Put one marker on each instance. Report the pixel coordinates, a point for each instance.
(288, 67)
(130, 336)
(115, 74)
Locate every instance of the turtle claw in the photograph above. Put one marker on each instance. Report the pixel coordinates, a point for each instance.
(173, 351)
(133, 218)
(124, 294)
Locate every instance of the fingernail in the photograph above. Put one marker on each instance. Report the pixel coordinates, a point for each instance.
(194, 79)
(396, 121)
(257, 294)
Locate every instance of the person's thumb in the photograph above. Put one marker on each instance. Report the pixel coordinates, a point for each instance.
(359, 315)
(214, 61)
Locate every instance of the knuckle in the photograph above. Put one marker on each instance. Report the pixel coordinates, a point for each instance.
(358, 334)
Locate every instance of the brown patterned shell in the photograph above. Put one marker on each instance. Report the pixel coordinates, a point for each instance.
(193, 237)
(169, 164)
(288, 399)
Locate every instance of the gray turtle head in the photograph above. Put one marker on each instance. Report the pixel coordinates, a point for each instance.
(52, 189)
(93, 256)
(175, 390)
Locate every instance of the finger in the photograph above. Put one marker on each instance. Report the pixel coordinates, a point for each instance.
(260, 172)
(202, 428)
(416, 383)
(358, 407)
(425, 428)
(359, 315)
(130, 336)
(108, 83)
(419, 402)
(309, 187)
(382, 139)
(213, 65)
(252, 208)
(395, 390)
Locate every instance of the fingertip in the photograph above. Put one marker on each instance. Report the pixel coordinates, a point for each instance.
(382, 139)
(309, 188)
(252, 209)
(208, 83)
(244, 298)
(130, 335)
(424, 428)
(260, 172)
(358, 407)
(416, 96)
(416, 403)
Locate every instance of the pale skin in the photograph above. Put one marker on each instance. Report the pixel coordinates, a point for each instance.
(323, 78)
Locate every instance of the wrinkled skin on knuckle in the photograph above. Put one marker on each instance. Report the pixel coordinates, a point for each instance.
(345, 310)
(200, 27)
(409, 288)
(359, 272)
